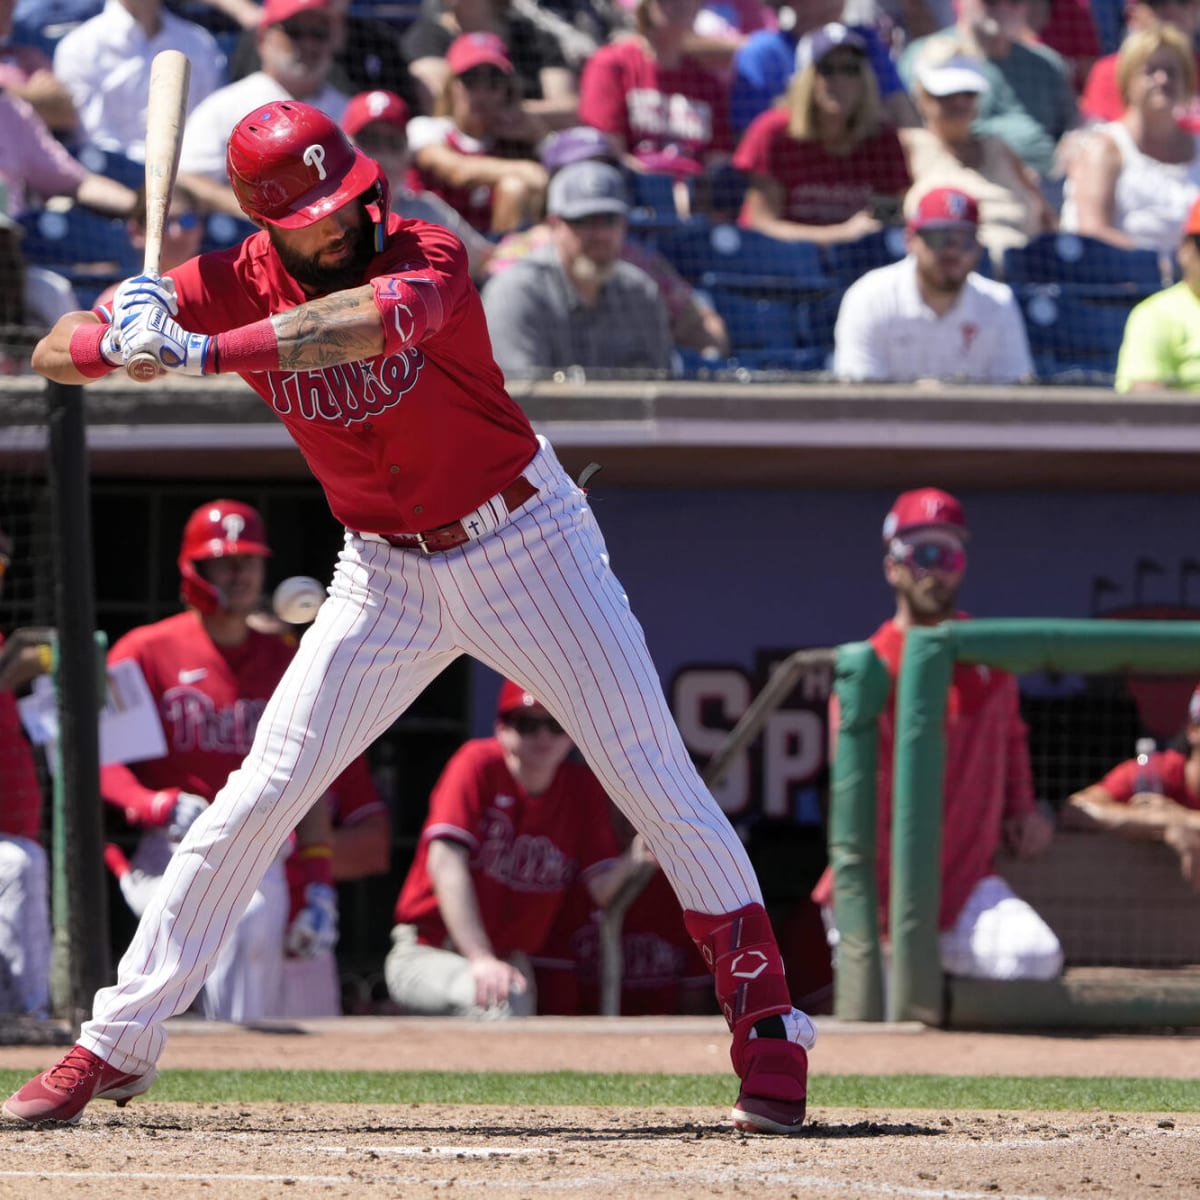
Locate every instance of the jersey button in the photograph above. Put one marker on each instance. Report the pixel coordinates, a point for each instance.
(418, 509)
(366, 427)
(395, 470)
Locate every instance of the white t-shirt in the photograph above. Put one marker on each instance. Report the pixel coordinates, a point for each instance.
(886, 332)
(211, 123)
(105, 65)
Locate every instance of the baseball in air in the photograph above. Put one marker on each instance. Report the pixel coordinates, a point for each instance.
(297, 599)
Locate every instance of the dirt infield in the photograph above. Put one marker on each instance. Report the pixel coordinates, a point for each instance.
(421, 1150)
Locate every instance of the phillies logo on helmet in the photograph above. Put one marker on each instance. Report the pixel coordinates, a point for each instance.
(956, 205)
(749, 964)
(314, 156)
(233, 524)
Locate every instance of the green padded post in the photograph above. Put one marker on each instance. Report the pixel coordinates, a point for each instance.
(861, 684)
(920, 756)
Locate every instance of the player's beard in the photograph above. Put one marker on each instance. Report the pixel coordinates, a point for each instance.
(319, 280)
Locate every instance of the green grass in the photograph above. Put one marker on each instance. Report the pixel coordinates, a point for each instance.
(950, 1093)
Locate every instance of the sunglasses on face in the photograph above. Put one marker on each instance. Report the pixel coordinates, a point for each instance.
(960, 240)
(596, 221)
(527, 725)
(477, 77)
(846, 69)
(183, 222)
(930, 556)
(313, 31)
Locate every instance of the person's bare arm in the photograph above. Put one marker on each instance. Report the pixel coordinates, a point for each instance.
(52, 356)
(699, 327)
(212, 194)
(430, 75)
(459, 905)
(1146, 815)
(1094, 170)
(50, 99)
(340, 328)
(475, 170)
(764, 206)
(603, 885)
(363, 848)
(106, 195)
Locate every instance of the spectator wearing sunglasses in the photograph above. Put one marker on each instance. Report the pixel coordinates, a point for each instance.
(576, 302)
(930, 317)
(823, 167)
(513, 822)
(296, 42)
(1160, 348)
(475, 151)
(987, 932)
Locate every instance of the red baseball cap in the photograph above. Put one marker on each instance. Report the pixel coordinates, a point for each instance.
(477, 50)
(378, 105)
(513, 697)
(274, 12)
(945, 208)
(924, 508)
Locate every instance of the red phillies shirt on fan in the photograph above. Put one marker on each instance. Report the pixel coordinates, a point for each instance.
(987, 776)
(400, 443)
(20, 792)
(524, 851)
(821, 188)
(671, 118)
(1121, 783)
(475, 201)
(210, 699)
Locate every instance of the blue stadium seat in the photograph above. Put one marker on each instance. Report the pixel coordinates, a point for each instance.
(91, 250)
(755, 322)
(729, 256)
(112, 165)
(846, 261)
(1085, 266)
(1072, 338)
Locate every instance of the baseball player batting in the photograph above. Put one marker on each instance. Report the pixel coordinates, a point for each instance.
(464, 535)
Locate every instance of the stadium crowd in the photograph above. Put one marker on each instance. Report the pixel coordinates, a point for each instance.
(771, 155)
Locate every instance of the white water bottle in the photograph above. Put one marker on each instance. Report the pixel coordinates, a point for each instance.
(1148, 778)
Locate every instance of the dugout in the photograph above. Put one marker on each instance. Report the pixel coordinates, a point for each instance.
(735, 513)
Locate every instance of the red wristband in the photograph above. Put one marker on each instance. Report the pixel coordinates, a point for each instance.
(84, 349)
(251, 348)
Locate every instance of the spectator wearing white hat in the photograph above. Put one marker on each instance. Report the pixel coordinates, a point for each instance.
(950, 152)
(930, 317)
(576, 302)
(1029, 103)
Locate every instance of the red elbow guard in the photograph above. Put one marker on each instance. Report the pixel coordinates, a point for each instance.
(410, 307)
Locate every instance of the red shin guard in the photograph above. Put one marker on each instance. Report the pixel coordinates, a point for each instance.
(740, 950)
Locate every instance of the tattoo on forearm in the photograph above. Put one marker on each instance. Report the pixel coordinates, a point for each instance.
(335, 329)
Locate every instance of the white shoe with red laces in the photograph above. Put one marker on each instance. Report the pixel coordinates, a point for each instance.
(60, 1094)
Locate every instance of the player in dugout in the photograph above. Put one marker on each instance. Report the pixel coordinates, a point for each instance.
(464, 535)
(210, 674)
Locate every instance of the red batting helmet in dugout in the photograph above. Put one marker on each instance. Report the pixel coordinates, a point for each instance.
(217, 529)
(291, 165)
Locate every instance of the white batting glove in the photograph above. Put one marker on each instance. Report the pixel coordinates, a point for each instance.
(314, 929)
(153, 331)
(136, 293)
(187, 808)
(110, 347)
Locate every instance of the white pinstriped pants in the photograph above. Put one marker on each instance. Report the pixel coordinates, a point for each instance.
(535, 600)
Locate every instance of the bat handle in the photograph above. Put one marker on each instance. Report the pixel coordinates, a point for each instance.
(143, 368)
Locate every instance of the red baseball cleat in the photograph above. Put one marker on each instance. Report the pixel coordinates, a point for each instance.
(60, 1094)
(774, 1087)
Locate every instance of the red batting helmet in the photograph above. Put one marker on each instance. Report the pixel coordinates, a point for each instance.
(924, 508)
(290, 165)
(215, 530)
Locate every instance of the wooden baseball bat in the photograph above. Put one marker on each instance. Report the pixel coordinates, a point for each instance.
(170, 74)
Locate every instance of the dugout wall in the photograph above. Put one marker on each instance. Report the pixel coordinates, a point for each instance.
(917, 988)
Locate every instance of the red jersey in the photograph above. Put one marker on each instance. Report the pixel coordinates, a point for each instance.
(209, 698)
(524, 851)
(821, 188)
(20, 793)
(1121, 783)
(671, 118)
(402, 442)
(474, 202)
(1101, 99)
(987, 776)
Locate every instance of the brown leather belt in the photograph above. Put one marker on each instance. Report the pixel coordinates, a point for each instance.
(447, 537)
